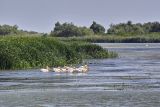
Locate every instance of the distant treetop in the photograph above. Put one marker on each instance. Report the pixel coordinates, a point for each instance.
(138, 28)
(7, 29)
(69, 30)
(97, 28)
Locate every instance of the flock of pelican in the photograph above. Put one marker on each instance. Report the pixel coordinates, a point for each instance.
(67, 69)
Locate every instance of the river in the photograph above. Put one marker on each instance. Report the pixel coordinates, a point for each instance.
(131, 80)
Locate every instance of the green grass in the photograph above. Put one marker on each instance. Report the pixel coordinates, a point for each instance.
(17, 52)
(145, 38)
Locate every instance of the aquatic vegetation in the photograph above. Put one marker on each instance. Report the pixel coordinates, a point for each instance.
(17, 52)
(142, 38)
(88, 50)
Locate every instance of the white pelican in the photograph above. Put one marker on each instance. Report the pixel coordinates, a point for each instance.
(45, 70)
(58, 69)
(66, 69)
(82, 69)
(146, 45)
(63, 69)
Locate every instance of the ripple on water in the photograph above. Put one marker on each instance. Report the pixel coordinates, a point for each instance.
(133, 79)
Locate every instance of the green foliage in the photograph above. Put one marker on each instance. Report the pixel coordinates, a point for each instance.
(97, 28)
(139, 38)
(27, 52)
(132, 29)
(69, 30)
(6, 29)
(88, 50)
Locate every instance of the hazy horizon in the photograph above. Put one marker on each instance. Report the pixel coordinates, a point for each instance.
(41, 15)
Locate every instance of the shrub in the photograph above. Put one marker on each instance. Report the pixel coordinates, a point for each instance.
(27, 52)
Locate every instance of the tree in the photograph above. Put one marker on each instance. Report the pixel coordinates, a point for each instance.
(126, 28)
(69, 29)
(138, 28)
(97, 28)
(7, 29)
(155, 27)
(129, 22)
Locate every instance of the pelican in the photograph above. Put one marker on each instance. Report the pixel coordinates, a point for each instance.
(146, 45)
(58, 69)
(47, 69)
(63, 69)
(66, 69)
(82, 69)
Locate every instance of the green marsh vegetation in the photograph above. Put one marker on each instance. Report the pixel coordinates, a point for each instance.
(68, 43)
(18, 52)
(143, 38)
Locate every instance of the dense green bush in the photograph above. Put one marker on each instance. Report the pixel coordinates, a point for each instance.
(27, 52)
(69, 29)
(88, 50)
(97, 28)
(7, 29)
(131, 29)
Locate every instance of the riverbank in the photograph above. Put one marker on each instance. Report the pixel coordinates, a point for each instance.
(144, 38)
(19, 52)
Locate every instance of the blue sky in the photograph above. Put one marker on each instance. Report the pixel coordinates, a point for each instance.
(41, 15)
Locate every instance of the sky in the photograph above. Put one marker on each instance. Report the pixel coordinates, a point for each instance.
(41, 15)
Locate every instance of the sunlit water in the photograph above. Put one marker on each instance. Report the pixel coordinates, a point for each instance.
(131, 80)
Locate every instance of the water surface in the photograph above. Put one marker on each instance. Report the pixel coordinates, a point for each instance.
(131, 80)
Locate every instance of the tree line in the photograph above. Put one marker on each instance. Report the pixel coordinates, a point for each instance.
(70, 30)
(130, 28)
(60, 30)
(9, 30)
